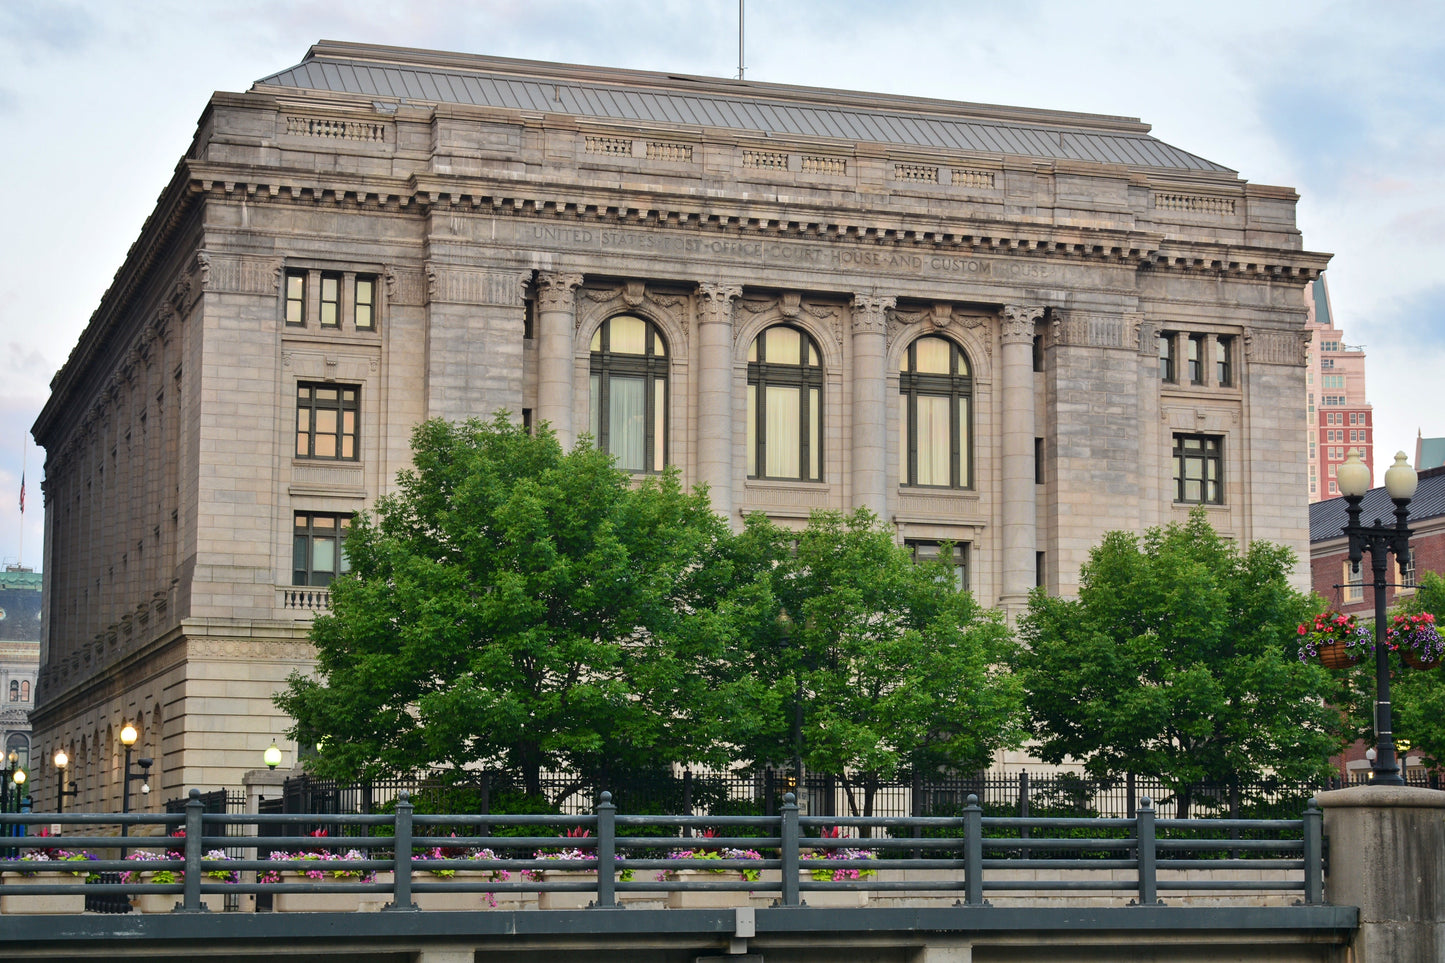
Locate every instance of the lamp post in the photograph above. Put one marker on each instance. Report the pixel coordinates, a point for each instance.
(128, 736)
(1379, 540)
(61, 760)
(272, 755)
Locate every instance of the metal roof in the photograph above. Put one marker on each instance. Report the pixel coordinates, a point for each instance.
(1327, 518)
(394, 74)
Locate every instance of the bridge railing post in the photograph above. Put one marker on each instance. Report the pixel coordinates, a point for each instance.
(790, 853)
(191, 895)
(1314, 854)
(606, 853)
(401, 886)
(973, 851)
(1148, 867)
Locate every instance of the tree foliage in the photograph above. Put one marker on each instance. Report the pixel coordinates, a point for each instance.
(518, 606)
(1178, 660)
(1418, 697)
(860, 661)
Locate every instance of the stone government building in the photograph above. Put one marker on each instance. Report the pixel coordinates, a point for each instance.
(1014, 329)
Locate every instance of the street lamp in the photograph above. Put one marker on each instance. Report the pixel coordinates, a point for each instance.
(1379, 540)
(128, 736)
(272, 755)
(62, 760)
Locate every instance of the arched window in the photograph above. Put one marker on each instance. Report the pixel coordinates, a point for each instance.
(935, 415)
(14, 690)
(785, 406)
(25, 691)
(629, 393)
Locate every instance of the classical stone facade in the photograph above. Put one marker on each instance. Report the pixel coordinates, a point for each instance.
(1010, 329)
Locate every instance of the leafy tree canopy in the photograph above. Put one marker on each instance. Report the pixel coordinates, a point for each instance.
(861, 661)
(517, 606)
(1418, 696)
(1179, 660)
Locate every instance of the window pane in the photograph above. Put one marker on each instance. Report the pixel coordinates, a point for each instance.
(933, 355)
(964, 442)
(365, 300)
(597, 339)
(659, 423)
(595, 423)
(752, 442)
(934, 435)
(815, 442)
(784, 346)
(626, 422)
(903, 439)
(323, 555)
(784, 409)
(753, 349)
(627, 335)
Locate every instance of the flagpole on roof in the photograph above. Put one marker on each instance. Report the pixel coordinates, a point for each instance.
(24, 453)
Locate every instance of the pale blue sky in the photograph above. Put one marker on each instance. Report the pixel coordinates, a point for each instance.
(1343, 101)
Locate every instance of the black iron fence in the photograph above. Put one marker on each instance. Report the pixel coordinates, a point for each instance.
(787, 854)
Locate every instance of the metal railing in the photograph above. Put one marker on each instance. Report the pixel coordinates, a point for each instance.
(798, 854)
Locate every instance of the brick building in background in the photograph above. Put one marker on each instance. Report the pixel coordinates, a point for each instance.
(1338, 415)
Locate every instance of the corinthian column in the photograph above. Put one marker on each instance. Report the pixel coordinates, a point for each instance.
(556, 324)
(870, 421)
(1019, 497)
(714, 393)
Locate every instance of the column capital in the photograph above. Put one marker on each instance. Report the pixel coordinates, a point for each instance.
(717, 301)
(554, 290)
(870, 313)
(1019, 321)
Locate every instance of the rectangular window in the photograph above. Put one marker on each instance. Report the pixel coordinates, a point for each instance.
(1224, 362)
(1196, 359)
(365, 303)
(1038, 352)
(1040, 570)
(330, 300)
(924, 551)
(1197, 470)
(1336, 381)
(1038, 461)
(1327, 363)
(1167, 357)
(317, 556)
(1404, 576)
(1353, 579)
(296, 298)
(326, 421)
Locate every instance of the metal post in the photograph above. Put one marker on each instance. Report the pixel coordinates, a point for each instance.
(973, 851)
(790, 850)
(606, 853)
(1314, 852)
(125, 799)
(1024, 803)
(191, 897)
(1144, 830)
(401, 887)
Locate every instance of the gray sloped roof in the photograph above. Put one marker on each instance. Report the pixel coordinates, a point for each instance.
(650, 98)
(1327, 518)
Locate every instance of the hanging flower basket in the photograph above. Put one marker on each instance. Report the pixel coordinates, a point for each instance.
(1417, 641)
(1336, 640)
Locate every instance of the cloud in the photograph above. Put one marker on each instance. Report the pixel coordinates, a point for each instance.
(41, 28)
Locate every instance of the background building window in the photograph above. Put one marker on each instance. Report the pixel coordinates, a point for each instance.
(785, 406)
(629, 393)
(1224, 362)
(296, 298)
(1196, 359)
(935, 416)
(365, 303)
(326, 421)
(955, 553)
(1197, 465)
(317, 554)
(1167, 358)
(330, 300)
(1354, 580)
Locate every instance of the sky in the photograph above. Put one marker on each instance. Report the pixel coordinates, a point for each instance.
(1345, 102)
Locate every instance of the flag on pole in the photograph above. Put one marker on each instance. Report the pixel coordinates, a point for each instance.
(22, 493)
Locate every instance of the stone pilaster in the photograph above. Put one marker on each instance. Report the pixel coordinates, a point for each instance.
(714, 393)
(1019, 508)
(869, 382)
(556, 331)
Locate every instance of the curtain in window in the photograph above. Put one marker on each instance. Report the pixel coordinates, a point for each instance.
(626, 423)
(934, 436)
(784, 417)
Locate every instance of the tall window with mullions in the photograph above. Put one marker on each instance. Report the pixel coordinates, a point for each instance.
(785, 406)
(629, 393)
(935, 415)
(317, 554)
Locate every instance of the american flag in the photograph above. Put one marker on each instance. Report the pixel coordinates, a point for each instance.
(22, 493)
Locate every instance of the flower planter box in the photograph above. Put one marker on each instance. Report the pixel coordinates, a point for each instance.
(460, 902)
(328, 902)
(568, 900)
(701, 898)
(14, 899)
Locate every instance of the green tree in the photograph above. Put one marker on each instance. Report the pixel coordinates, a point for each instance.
(520, 607)
(1417, 697)
(1178, 660)
(860, 662)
